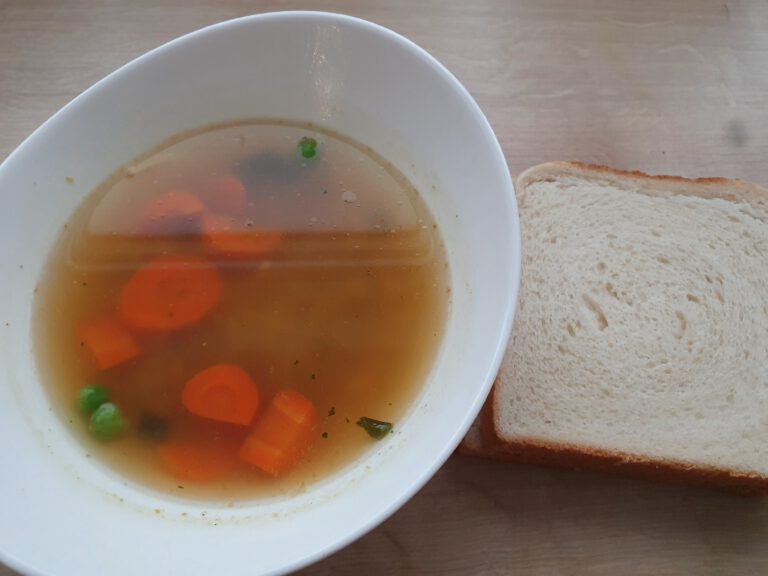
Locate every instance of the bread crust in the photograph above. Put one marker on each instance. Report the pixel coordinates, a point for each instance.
(663, 185)
(478, 446)
(542, 452)
(466, 448)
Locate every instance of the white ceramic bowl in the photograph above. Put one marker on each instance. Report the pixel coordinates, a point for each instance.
(64, 514)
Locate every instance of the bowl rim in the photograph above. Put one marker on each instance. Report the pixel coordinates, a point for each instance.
(512, 250)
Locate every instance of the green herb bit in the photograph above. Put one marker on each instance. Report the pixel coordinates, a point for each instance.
(325, 434)
(376, 428)
(89, 398)
(332, 411)
(308, 147)
(107, 422)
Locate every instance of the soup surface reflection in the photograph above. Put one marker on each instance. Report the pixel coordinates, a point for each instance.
(242, 311)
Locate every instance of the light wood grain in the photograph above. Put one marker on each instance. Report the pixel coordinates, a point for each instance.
(669, 87)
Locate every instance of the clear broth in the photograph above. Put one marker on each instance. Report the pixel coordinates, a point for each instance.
(349, 310)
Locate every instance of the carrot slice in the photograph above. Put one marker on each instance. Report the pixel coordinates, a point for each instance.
(196, 462)
(232, 237)
(109, 343)
(223, 392)
(228, 197)
(282, 435)
(173, 213)
(169, 293)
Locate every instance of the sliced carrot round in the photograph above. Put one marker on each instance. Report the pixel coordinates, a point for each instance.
(227, 196)
(233, 238)
(195, 462)
(223, 392)
(174, 213)
(169, 293)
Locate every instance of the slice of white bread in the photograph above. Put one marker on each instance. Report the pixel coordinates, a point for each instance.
(641, 338)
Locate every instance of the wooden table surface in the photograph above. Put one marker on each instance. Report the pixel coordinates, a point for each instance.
(670, 86)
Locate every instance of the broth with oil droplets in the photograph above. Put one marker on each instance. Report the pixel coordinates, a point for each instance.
(242, 311)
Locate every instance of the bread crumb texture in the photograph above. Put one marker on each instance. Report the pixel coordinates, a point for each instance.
(642, 325)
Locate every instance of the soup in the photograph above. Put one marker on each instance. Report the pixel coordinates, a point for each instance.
(242, 311)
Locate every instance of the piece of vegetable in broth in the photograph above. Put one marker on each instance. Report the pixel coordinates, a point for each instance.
(223, 392)
(170, 292)
(267, 167)
(89, 398)
(153, 427)
(227, 196)
(109, 343)
(233, 238)
(174, 213)
(274, 167)
(197, 462)
(107, 422)
(376, 429)
(307, 148)
(282, 435)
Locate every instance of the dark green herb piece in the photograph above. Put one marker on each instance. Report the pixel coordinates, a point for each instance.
(91, 397)
(375, 428)
(332, 411)
(325, 434)
(107, 422)
(307, 147)
(153, 427)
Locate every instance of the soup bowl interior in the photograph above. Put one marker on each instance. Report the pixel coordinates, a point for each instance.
(65, 513)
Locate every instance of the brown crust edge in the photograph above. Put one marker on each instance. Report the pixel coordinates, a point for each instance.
(709, 187)
(661, 471)
(542, 453)
(555, 455)
(638, 174)
(465, 448)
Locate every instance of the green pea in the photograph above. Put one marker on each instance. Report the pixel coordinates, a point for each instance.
(107, 422)
(91, 397)
(307, 147)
